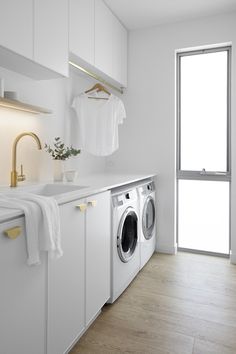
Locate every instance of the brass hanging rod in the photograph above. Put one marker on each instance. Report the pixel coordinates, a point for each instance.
(96, 77)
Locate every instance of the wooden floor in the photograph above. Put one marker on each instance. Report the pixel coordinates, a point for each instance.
(177, 304)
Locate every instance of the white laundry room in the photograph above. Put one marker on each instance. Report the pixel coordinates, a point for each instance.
(118, 177)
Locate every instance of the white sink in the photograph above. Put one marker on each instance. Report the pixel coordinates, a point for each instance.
(52, 189)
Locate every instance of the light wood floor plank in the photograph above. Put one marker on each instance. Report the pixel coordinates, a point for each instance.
(180, 304)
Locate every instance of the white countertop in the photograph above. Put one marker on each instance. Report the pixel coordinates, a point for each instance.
(95, 183)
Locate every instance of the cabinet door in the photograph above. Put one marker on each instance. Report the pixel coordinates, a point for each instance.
(97, 254)
(16, 26)
(103, 37)
(51, 34)
(81, 34)
(119, 52)
(66, 290)
(22, 296)
(124, 56)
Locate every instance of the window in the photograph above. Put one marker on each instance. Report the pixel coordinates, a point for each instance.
(203, 149)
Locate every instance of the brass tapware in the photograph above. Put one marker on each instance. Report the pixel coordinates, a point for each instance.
(14, 174)
(13, 233)
(92, 203)
(81, 207)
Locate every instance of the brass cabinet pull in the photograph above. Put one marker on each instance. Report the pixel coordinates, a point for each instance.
(81, 207)
(13, 233)
(92, 203)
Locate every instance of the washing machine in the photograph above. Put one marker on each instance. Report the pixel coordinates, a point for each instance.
(125, 252)
(147, 205)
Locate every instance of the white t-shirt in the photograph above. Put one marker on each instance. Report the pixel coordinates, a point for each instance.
(98, 123)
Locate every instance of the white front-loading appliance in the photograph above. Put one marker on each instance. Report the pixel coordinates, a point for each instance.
(125, 252)
(147, 203)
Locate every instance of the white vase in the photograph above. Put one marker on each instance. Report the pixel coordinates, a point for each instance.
(58, 170)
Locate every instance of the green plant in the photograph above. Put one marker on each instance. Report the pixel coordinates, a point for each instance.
(60, 151)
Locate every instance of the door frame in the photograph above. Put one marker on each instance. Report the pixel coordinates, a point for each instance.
(198, 175)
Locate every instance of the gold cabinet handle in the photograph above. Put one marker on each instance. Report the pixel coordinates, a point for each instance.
(92, 203)
(81, 207)
(13, 233)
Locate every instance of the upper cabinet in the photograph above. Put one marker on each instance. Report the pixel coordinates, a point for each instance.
(119, 52)
(103, 38)
(82, 29)
(51, 34)
(98, 41)
(16, 23)
(34, 32)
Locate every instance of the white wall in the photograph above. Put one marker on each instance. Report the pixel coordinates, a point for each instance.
(147, 141)
(57, 96)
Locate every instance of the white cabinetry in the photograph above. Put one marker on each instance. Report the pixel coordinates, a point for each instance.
(16, 23)
(103, 38)
(97, 254)
(66, 294)
(98, 40)
(51, 34)
(119, 52)
(22, 296)
(34, 32)
(79, 282)
(81, 40)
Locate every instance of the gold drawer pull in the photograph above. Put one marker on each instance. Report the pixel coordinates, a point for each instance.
(13, 233)
(81, 207)
(92, 203)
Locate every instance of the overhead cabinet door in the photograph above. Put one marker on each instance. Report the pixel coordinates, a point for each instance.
(16, 24)
(81, 40)
(119, 52)
(51, 34)
(103, 37)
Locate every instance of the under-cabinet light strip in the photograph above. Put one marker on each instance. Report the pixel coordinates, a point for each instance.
(20, 106)
(96, 77)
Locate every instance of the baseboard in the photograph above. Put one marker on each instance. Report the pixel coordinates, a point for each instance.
(161, 248)
(233, 258)
(82, 332)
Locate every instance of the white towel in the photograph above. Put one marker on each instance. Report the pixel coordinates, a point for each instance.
(42, 223)
(32, 217)
(51, 240)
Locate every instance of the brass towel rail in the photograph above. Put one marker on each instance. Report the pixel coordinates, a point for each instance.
(96, 77)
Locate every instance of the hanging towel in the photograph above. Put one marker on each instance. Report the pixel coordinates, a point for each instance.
(32, 216)
(42, 221)
(51, 238)
(98, 123)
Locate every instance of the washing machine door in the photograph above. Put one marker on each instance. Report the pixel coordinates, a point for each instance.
(127, 237)
(148, 219)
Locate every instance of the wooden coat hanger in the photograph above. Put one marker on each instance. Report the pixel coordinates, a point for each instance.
(98, 88)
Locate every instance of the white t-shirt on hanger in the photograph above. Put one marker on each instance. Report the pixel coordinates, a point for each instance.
(98, 121)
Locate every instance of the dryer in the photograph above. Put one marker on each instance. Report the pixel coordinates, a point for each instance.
(125, 252)
(147, 204)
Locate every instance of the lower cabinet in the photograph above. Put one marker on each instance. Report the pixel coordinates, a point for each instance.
(79, 282)
(22, 294)
(97, 254)
(66, 295)
(44, 309)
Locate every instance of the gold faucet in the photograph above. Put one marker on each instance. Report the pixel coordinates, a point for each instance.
(14, 174)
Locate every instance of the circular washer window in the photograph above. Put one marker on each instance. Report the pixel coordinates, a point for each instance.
(148, 221)
(127, 235)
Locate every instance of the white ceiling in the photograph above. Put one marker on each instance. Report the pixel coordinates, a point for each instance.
(136, 14)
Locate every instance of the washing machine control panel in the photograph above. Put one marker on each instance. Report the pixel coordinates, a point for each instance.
(148, 188)
(125, 197)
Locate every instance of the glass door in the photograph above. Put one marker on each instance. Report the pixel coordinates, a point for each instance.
(203, 149)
